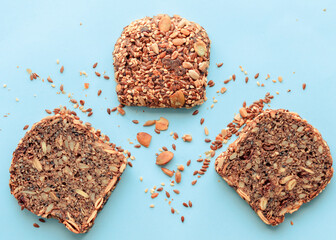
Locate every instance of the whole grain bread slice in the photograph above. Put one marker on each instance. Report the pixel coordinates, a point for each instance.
(278, 163)
(63, 169)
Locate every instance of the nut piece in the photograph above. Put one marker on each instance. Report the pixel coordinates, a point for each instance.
(291, 184)
(187, 65)
(164, 158)
(187, 138)
(164, 24)
(178, 41)
(263, 203)
(149, 123)
(155, 48)
(167, 172)
(144, 139)
(200, 48)
(177, 100)
(162, 124)
(193, 74)
(178, 176)
(243, 112)
(203, 66)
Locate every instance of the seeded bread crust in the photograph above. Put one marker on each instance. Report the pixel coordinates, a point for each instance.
(62, 169)
(278, 163)
(156, 64)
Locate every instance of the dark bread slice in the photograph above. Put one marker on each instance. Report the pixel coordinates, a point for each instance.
(62, 169)
(156, 64)
(278, 163)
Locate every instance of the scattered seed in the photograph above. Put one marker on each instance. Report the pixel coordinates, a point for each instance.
(95, 65)
(292, 223)
(154, 195)
(246, 80)
(41, 220)
(194, 182)
(135, 121)
(211, 83)
(206, 131)
(62, 69)
(86, 85)
(188, 163)
(190, 203)
(167, 194)
(234, 77)
(98, 74)
(26, 127)
(137, 146)
(256, 76)
(182, 218)
(159, 189)
(151, 206)
(219, 64)
(121, 111)
(178, 176)
(202, 121)
(207, 140)
(304, 86)
(49, 79)
(130, 164)
(280, 79)
(106, 77)
(36, 225)
(174, 146)
(184, 204)
(180, 167)
(90, 114)
(172, 210)
(227, 81)
(48, 111)
(195, 112)
(99, 92)
(176, 191)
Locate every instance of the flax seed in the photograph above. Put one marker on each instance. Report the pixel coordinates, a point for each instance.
(304, 86)
(186, 205)
(25, 127)
(246, 80)
(176, 191)
(256, 76)
(188, 163)
(195, 112)
(202, 121)
(49, 79)
(48, 111)
(195, 172)
(62, 69)
(36, 225)
(41, 220)
(167, 194)
(190, 203)
(194, 182)
(135, 121)
(152, 206)
(99, 92)
(227, 81)
(154, 195)
(234, 77)
(98, 74)
(106, 77)
(219, 64)
(174, 146)
(95, 65)
(172, 210)
(130, 164)
(182, 219)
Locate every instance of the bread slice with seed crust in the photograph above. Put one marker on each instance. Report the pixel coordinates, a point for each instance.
(278, 163)
(63, 169)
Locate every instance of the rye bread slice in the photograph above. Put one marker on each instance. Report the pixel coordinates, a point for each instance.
(63, 169)
(278, 163)
(162, 62)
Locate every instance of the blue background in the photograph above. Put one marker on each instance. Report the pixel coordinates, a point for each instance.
(275, 37)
